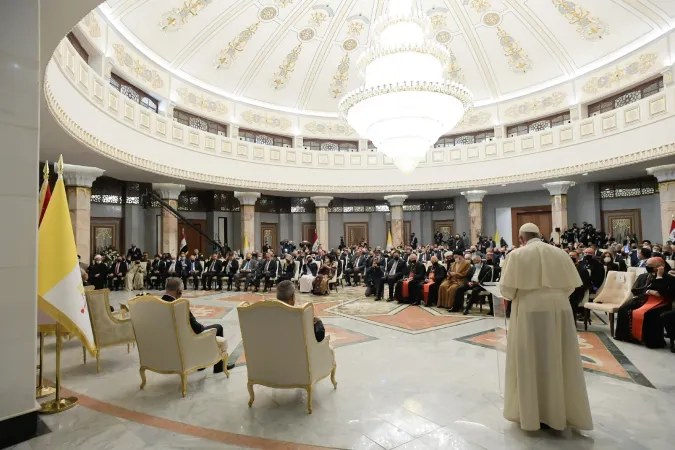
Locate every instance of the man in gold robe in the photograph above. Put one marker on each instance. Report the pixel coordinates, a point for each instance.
(457, 276)
(545, 384)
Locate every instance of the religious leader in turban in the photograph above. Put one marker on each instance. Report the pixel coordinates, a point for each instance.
(545, 385)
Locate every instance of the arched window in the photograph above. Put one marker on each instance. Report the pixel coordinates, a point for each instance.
(626, 97)
(133, 93)
(198, 122)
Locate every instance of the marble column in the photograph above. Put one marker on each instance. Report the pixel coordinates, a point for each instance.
(475, 199)
(666, 177)
(558, 191)
(169, 192)
(398, 237)
(78, 181)
(321, 205)
(247, 201)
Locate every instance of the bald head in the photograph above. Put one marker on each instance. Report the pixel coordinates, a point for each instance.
(656, 262)
(476, 259)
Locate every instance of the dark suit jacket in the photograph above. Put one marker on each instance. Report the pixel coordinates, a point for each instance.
(134, 254)
(417, 270)
(597, 271)
(122, 270)
(400, 268)
(374, 274)
(196, 326)
(180, 265)
(97, 269)
(186, 269)
(664, 286)
(621, 263)
(272, 268)
(359, 262)
(234, 266)
(213, 266)
(487, 274)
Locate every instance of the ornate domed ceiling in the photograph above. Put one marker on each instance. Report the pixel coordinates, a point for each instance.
(300, 55)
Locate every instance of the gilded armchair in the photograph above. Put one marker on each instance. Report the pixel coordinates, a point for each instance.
(281, 349)
(166, 343)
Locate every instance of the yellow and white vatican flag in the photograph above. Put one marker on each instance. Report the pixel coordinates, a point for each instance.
(389, 240)
(497, 238)
(60, 290)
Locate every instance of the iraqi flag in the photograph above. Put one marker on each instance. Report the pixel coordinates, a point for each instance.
(671, 236)
(60, 291)
(316, 245)
(183, 242)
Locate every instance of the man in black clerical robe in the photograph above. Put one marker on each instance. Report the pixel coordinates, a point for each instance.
(98, 273)
(414, 275)
(638, 320)
(439, 272)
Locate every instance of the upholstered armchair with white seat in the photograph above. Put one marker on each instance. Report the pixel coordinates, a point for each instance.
(281, 349)
(166, 342)
(616, 291)
(109, 328)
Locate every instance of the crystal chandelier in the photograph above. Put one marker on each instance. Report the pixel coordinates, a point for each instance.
(405, 104)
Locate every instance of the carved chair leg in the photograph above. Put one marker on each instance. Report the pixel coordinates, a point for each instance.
(84, 355)
(309, 399)
(332, 377)
(611, 324)
(98, 361)
(587, 313)
(183, 384)
(225, 357)
(251, 394)
(143, 380)
(128, 348)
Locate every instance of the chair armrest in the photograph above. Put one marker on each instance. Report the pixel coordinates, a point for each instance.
(201, 349)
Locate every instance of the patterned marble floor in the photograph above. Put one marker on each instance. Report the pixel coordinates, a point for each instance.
(409, 378)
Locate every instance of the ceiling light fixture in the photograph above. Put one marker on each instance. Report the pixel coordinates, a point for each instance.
(404, 104)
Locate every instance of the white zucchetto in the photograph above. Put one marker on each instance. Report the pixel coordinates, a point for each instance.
(529, 228)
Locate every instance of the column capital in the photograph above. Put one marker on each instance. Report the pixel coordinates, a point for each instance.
(247, 198)
(663, 173)
(81, 176)
(474, 196)
(321, 201)
(168, 191)
(559, 187)
(396, 200)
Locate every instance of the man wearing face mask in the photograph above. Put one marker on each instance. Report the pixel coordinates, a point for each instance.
(594, 269)
(456, 277)
(579, 293)
(308, 273)
(482, 273)
(435, 276)
(545, 384)
(638, 319)
(410, 288)
(393, 271)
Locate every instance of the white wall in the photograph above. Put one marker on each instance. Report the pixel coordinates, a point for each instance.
(19, 125)
(650, 212)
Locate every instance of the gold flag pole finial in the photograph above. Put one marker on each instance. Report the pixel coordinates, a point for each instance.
(59, 165)
(45, 170)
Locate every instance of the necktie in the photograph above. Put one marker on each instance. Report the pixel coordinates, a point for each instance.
(192, 266)
(173, 267)
(267, 266)
(393, 268)
(117, 268)
(246, 265)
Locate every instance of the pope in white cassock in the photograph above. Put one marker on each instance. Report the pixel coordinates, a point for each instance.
(545, 382)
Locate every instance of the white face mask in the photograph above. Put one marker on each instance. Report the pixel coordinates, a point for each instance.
(607, 259)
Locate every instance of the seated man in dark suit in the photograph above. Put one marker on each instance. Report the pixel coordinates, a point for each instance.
(174, 291)
(156, 272)
(229, 270)
(409, 289)
(393, 272)
(486, 273)
(98, 273)
(192, 268)
(267, 271)
(286, 294)
(212, 269)
(134, 253)
(594, 269)
(116, 274)
(373, 277)
(355, 268)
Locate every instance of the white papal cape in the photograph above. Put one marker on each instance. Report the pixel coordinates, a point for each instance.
(544, 376)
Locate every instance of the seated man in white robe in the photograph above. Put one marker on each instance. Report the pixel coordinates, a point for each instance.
(308, 272)
(545, 384)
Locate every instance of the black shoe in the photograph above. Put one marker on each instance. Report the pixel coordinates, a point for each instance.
(237, 290)
(543, 426)
(230, 366)
(390, 299)
(466, 311)
(416, 304)
(255, 290)
(377, 299)
(491, 313)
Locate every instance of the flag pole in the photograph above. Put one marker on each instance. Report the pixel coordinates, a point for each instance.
(41, 390)
(58, 404)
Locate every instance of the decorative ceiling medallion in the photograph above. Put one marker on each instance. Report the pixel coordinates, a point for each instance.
(316, 18)
(438, 21)
(588, 27)
(443, 37)
(136, 67)
(478, 5)
(284, 3)
(175, 19)
(287, 67)
(517, 58)
(341, 77)
(306, 34)
(453, 71)
(265, 120)
(199, 101)
(268, 13)
(639, 66)
(491, 19)
(350, 44)
(329, 129)
(227, 55)
(91, 22)
(536, 105)
(477, 119)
